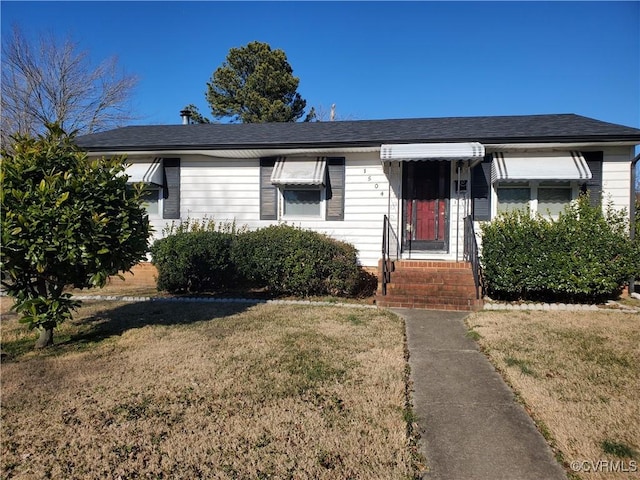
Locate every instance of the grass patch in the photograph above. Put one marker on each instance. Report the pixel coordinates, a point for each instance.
(577, 374)
(354, 319)
(522, 365)
(473, 335)
(618, 449)
(162, 390)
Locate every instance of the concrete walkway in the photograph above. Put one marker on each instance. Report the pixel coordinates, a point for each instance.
(470, 424)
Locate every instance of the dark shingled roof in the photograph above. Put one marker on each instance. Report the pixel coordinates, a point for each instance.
(500, 129)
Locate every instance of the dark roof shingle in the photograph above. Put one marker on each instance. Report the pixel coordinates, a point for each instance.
(498, 129)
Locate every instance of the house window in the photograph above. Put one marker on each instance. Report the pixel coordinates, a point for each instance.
(554, 197)
(293, 188)
(161, 180)
(548, 198)
(302, 202)
(151, 199)
(515, 196)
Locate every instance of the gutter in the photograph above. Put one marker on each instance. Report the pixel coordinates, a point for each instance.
(243, 153)
(632, 213)
(100, 146)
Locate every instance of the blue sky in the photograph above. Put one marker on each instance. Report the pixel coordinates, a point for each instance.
(372, 59)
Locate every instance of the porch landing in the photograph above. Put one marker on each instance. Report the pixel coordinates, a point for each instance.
(434, 285)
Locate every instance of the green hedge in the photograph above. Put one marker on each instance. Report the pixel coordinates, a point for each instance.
(282, 258)
(196, 261)
(584, 255)
(294, 261)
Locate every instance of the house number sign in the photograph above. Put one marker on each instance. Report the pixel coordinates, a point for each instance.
(375, 185)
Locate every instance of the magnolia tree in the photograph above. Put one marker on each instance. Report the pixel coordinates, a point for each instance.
(66, 220)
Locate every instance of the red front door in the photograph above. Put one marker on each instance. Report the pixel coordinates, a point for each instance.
(426, 205)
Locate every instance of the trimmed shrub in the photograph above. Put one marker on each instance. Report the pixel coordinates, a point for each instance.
(584, 255)
(194, 261)
(294, 261)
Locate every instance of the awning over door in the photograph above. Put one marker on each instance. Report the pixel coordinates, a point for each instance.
(299, 171)
(146, 172)
(539, 166)
(431, 151)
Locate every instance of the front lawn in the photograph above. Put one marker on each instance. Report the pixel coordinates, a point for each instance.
(196, 390)
(578, 373)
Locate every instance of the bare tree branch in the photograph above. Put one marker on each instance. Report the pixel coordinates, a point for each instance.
(54, 81)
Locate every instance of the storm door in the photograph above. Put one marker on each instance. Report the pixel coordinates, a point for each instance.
(425, 190)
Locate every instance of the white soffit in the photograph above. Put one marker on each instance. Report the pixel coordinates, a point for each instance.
(431, 151)
(539, 166)
(299, 171)
(146, 172)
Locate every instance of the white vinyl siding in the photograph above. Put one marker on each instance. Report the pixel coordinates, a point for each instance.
(223, 189)
(616, 177)
(228, 190)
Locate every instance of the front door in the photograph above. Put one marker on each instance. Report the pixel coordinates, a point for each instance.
(425, 190)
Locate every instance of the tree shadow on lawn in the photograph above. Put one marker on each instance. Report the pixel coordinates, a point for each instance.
(116, 321)
(84, 331)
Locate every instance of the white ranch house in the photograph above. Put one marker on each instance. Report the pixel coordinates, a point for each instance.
(424, 175)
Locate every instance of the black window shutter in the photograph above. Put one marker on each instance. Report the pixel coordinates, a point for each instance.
(335, 188)
(594, 186)
(268, 191)
(481, 189)
(171, 190)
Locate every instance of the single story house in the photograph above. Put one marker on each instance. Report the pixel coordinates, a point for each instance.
(403, 184)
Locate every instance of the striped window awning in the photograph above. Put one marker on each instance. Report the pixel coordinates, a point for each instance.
(299, 171)
(431, 151)
(146, 172)
(539, 166)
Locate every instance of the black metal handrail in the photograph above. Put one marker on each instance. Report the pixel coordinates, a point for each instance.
(386, 273)
(471, 255)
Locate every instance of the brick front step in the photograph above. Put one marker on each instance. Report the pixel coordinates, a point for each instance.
(432, 290)
(430, 285)
(440, 299)
(432, 278)
(430, 264)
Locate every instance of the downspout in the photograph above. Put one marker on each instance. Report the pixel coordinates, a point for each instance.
(632, 214)
(458, 169)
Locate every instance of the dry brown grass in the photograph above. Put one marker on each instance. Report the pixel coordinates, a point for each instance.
(578, 373)
(186, 391)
